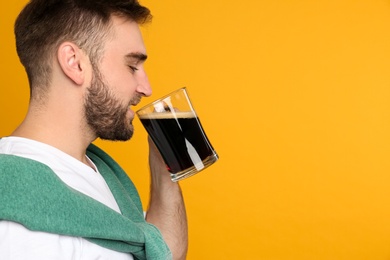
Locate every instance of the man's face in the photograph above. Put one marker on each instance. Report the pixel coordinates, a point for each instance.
(119, 83)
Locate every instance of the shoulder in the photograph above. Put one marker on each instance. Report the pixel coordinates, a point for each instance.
(19, 173)
(14, 163)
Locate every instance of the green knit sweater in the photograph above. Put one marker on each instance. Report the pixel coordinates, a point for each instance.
(33, 195)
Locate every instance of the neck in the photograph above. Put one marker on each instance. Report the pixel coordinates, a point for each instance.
(59, 125)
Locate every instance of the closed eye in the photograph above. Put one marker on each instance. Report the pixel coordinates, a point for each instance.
(133, 69)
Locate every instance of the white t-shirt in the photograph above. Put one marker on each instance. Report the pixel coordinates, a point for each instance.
(17, 242)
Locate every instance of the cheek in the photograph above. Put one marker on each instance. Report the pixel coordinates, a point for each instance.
(121, 81)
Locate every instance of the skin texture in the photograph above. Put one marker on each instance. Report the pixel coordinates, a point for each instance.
(94, 101)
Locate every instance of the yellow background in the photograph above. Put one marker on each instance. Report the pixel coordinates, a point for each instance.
(295, 97)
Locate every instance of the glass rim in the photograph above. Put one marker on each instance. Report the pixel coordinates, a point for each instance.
(161, 98)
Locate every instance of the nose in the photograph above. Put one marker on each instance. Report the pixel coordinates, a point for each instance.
(144, 87)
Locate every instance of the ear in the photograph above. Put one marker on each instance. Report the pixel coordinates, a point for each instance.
(72, 62)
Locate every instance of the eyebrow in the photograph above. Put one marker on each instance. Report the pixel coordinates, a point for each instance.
(138, 56)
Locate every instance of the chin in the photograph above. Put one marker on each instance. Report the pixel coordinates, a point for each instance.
(118, 134)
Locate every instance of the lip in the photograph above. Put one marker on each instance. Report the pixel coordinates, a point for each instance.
(133, 102)
(131, 112)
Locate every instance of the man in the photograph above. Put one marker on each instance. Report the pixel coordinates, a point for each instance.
(61, 196)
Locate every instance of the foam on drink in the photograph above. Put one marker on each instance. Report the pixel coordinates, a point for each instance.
(168, 115)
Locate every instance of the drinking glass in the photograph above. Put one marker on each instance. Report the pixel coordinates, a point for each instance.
(175, 128)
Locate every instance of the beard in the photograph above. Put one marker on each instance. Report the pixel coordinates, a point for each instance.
(106, 115)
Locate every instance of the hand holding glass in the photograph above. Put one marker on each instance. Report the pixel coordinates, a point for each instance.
(175, 128)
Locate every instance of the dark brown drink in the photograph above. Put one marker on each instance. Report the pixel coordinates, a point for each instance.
(180, 139)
